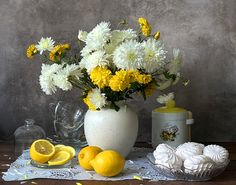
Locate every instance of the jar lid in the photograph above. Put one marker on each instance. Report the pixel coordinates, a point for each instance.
(29, 130)
(170, 105)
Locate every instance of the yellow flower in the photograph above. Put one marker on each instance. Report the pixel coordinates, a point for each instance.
(58, 50)
(150, 89)
(143, 78)
(88, 102)
(133, 74)
(31, 51)
(101, 76)
(144, 26)
(120, 81)
(66, 46)
(157, 35)
(142, 21)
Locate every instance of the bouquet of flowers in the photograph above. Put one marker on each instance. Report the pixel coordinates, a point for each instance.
(111, 66)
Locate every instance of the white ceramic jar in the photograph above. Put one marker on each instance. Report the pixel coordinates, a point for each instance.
(171, 125)
(110, 129)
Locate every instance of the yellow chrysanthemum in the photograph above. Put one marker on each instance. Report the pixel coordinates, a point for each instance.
(58, 50)
(157, 35)
(31, 51)
(143, 78)
(101, 76)
(144, 26)
(150, 89)
(120, 81)
(88, 102)
(133, 74)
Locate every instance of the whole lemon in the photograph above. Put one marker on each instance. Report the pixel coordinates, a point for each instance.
(108, 163)
(86, 155)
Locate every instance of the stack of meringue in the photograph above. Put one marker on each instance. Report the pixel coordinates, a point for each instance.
(191, 157)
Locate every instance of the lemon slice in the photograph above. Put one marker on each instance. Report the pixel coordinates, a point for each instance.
(41, 150)
(60, 158)
(58, 147)
(68, 149)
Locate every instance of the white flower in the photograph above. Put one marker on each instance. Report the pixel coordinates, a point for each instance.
(97, 58)
(97, 98)
(165, 98)
(129, 55)
(178, 76)
(46, 78)
(45, 44)
(61, 79)
(174, 66)
(86, 51)
(82, 35)
(163, 82)
(74, 71)
(128, 34)
(97, 38)
(117, 37)
(82, 63)
(154, 55)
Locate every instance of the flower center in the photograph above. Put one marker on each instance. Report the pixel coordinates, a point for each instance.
(45, 44)
(131, 56)
(150, 55)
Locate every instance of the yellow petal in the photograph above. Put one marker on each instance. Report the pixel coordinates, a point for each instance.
(137, 177)
(157, 35)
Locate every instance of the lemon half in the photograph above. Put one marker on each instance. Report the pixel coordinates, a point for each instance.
(41, 150)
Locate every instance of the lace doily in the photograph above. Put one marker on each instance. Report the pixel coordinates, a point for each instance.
(137, 165)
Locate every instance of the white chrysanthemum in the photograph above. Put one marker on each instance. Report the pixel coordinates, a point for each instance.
(97, 38)
(163, 84)
(74, 71)
(165, 97)
(46, 79)
(86, 51)
(82, 35)
(154, 55)
(129, 34)
(82, 63)
(97, 58)
(45, 44)
(129, 55)
(174, 66)
(97, 98)
(117, 37)
(61, 79)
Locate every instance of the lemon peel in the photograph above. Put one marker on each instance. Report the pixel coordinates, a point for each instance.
(137, 177)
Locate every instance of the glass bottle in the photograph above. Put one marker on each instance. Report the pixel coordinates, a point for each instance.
(26, 134)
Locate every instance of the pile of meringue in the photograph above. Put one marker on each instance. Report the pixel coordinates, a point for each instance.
(191, 157)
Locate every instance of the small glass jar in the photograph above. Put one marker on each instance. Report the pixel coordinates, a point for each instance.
(26, 134)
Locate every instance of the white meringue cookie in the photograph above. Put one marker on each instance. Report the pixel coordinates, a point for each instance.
(198, 163)
(217, 153)
(163, 148)
(169, 160)
(189, 149)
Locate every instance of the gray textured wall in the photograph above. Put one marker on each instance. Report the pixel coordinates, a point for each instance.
(205, 30)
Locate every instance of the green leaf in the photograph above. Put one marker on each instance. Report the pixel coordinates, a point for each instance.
(114, 106)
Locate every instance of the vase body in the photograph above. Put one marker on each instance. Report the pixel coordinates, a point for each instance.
(110, 129)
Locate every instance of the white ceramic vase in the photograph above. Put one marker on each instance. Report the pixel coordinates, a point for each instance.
(110, 129)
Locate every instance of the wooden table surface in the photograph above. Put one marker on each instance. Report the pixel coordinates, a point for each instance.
(226, 178)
